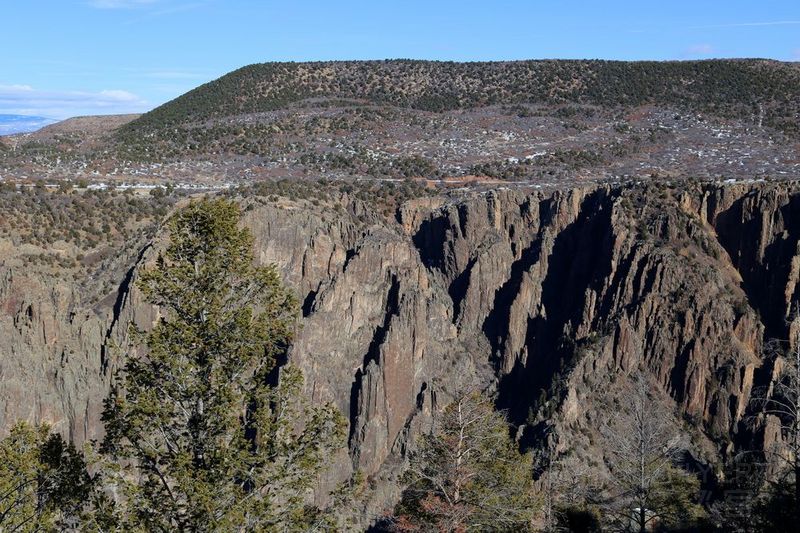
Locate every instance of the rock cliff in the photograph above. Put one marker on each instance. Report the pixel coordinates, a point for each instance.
(549, 298)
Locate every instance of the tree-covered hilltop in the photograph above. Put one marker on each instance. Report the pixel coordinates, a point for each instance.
(759, 90)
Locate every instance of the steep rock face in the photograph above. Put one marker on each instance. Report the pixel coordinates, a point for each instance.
(377, 331)
(57, 355)
(759, 228)
(49, 364)
(549, 298)
(539, 276)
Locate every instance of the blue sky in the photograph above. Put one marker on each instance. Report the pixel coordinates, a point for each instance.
(70, 57)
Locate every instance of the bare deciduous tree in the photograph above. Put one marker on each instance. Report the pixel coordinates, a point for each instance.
(468, 475)
(781, 401)
(642, 446)
(570, 489)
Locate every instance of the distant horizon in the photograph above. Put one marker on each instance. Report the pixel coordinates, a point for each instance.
(99, 57)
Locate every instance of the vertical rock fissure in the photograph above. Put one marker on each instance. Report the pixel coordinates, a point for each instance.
(392, 309)
(122, 293)
(763, 255)
(579, 260)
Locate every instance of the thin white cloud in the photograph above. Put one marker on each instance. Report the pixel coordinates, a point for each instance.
(748, 24)
(16, 87)
(700, 50)
(167, 10)
(180, 8)
(151, 8)
(119, 96)
(796, 54)
(120, 4)
(25, 100)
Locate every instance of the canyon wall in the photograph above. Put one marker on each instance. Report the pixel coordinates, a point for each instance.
(548, 298)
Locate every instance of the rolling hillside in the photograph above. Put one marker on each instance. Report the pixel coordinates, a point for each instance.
(758, 89)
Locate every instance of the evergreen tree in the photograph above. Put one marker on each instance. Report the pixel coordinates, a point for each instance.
(468, 475)
(211, 433)
(43, 481)
(775, 509)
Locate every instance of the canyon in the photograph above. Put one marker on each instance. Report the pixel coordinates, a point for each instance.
(546, 298)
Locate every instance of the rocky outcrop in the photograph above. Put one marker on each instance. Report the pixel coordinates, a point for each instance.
(49, 360)
(549, 298)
